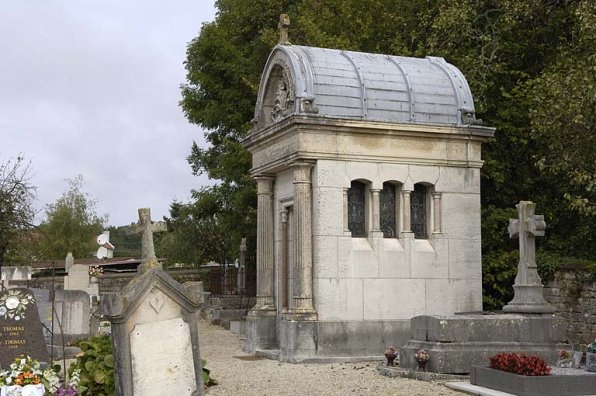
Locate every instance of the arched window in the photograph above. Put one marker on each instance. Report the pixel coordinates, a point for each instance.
(388, 209)
(356, 209)
(419, 212)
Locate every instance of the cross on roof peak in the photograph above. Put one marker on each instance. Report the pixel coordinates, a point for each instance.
(284, 24)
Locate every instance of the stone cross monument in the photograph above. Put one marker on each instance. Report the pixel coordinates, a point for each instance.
(241, 280)
(284, 24)
(528, 297)
(146, 228)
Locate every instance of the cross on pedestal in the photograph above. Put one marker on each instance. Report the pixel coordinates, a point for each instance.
(146, 228)
(528, 287)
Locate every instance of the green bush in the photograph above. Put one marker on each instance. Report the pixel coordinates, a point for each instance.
(97, 366)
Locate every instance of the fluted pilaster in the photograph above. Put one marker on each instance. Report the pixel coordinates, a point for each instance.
(265, 256)
(302, 301)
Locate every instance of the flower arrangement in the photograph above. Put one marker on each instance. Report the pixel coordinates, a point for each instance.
(422, 356)
(391, 350)
(391, 355)
(23, 371)
(95, 271)
(564, 355)
(69, 388)
(519, 364)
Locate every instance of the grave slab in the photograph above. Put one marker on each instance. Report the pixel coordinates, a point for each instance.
(21, 331)
(456, 343)
(566, 382)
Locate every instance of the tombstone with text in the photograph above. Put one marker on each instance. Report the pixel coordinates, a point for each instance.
(20, 328)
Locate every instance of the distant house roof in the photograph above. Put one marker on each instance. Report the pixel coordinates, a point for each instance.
(354, 85)
(115, 264)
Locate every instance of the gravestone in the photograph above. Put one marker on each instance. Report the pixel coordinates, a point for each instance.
(8, 274)
(241, 279)
(73, 311)
(154, 329)
(44, 307)
(69, 262)
(20, 328)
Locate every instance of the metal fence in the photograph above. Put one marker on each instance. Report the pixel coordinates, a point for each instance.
(224, 282)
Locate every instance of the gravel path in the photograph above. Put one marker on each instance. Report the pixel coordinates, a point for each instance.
(240, 374)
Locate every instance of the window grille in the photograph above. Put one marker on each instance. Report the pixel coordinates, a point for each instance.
(418, 211)
(356, 209)
(388, 211)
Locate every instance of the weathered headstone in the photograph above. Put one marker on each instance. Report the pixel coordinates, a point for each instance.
(241, 281)
(8, 274)
(154, 330)
(73, 310)
(78, 279)
(529, 297)
(20, 328)
(44, 307)
(69, 262)
(196, 290)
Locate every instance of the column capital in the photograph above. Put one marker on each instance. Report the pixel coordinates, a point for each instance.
(302, 171)
(437, 194)
(375, 190)
(264, 184)
(284, 215)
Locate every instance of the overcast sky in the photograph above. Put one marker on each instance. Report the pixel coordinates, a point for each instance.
(91, 87)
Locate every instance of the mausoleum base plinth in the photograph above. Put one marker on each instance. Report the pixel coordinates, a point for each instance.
(457, 343)
(260, 330)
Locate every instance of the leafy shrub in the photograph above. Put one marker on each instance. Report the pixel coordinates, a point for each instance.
(207, 380)
(519, 364)
(96, 363)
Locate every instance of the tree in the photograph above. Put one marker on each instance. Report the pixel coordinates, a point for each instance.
(71, 224)
(564, 113)
(17, 214)
(518, 55)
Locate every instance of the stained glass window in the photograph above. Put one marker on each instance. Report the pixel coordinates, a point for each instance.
(418, 211)
(388, 211)
(356, 209)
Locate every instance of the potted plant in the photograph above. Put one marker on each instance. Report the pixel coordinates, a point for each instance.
(24, 378)
(591, 357)
(422, 357)
(390, 354)
(94, 273)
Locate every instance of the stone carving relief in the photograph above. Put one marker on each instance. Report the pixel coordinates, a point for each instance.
(284, 97)
(468, 117)
(157, 301)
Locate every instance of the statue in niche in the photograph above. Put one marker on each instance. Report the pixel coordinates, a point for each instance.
(283, 100)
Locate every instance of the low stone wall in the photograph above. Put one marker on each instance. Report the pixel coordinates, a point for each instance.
(108, 282)
(575, 301)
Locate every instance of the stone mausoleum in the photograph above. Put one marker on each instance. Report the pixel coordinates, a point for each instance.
(368, 172)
